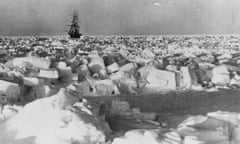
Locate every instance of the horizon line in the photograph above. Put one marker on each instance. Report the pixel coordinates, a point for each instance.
(124, 35)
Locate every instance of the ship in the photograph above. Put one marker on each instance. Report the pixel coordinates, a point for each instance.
(74, 31)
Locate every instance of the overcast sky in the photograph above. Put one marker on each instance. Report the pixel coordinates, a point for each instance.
(123, 17)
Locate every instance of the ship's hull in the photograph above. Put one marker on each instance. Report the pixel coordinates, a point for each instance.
(75, 35)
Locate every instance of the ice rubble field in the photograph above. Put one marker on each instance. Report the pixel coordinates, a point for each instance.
(120, 90)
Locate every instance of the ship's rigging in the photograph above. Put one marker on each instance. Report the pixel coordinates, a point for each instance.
(74, 31)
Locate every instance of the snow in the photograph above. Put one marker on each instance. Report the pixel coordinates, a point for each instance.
(49, 121)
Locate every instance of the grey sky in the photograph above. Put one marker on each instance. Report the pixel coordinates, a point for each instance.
(49, 17)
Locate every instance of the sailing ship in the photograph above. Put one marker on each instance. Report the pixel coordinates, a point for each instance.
(74, 31)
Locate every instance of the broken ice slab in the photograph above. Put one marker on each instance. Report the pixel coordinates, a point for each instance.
(96, 63)
(49, 74)
(65, 72)
(232, 117)
(147, 53)
(192, 140)
(9, 89)
(32, 81)
(92, 87)
(221, 75)
(160, 80)
(43, 91)
(41, 63)
(11, 77)
(128, 67)
(113, 68)
(82, 72)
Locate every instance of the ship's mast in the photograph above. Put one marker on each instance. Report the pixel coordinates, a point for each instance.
(74, 27)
